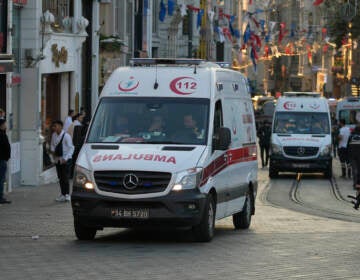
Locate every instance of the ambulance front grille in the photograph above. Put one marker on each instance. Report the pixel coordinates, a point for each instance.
(132, 182)
(296, 151)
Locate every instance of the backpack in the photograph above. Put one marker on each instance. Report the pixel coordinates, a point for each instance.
(59, 148)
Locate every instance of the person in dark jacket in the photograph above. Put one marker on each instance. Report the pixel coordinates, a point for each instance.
(5, 151)
(264, 135)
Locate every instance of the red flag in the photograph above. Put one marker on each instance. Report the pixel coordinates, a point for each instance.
(193, 8)
(226, 32)
(318, 2)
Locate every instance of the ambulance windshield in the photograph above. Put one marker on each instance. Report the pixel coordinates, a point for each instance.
(150, 120)
(301, 123)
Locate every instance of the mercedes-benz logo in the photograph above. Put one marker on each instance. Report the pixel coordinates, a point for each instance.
(301, 151)
(130, 181)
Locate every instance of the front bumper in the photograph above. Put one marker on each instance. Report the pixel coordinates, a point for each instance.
(176, 209)
(320, 164)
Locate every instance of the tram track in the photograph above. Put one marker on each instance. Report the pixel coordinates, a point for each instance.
(295, 197)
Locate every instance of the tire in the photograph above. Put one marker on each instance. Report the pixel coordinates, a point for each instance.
(242, 220)
(328, 172)
(273, 172)
(204, 231)
(83, 232)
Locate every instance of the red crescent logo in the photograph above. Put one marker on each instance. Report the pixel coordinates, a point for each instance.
(127, 89)
(315, 106)
(289, 105)
(183, 85)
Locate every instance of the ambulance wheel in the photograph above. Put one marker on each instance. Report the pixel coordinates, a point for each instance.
(242, 220)
(328, 172)
(204, 231)
(273, 173)
(83, 232)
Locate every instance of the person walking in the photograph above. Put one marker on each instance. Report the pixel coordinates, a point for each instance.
(264, 135)
(5, 151)
(334, 134)
(62, 148)
(344, 134)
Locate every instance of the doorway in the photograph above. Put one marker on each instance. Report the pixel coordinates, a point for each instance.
(50, 111)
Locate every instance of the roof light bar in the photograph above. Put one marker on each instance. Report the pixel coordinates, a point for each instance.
(166, 61)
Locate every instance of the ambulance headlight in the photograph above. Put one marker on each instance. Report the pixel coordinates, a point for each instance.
(276, 149)
(326, 151)
(188, 179)
(82, 178)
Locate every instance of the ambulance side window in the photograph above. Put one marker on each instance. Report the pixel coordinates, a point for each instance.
(218, 122)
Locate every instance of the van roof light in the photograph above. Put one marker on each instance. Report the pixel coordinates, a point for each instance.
(164, 61)
(301, 94)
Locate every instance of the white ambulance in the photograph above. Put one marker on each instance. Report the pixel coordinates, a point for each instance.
(301, 135)
(347, 109)
(172, 142)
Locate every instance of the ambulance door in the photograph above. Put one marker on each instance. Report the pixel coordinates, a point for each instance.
(218, 170)
(242, 162)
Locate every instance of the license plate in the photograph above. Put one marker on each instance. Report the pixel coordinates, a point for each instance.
(140, 213)
(301, 165)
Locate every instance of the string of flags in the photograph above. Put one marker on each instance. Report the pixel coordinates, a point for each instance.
(270, 38)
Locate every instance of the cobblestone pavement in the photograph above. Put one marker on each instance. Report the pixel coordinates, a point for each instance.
(37, 242)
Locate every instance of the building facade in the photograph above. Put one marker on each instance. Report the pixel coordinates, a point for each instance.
(48, 65)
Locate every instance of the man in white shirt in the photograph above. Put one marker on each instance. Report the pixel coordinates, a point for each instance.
(62, 148)
(68, 120)
(344, 134)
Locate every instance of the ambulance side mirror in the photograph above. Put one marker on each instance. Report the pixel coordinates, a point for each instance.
(222, 139)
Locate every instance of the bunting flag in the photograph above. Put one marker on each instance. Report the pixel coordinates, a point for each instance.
(221, 34)
(199, 18)
(171, 5)
(255, 40)
(309, 34)
(309, 54)
(237, 33)
(232, 18)
(282, 32)
(146, 7)
(266, 51)
(317, 2)
(192, 8)
(162, 11)
(247, 33)
(183, 11)
(324, 33)
(254, 57)
(292, 30)
(227, 33)
(211, 15)
(262, 25)
(256, 22)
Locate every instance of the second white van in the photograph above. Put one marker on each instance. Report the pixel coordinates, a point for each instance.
(301, 135)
